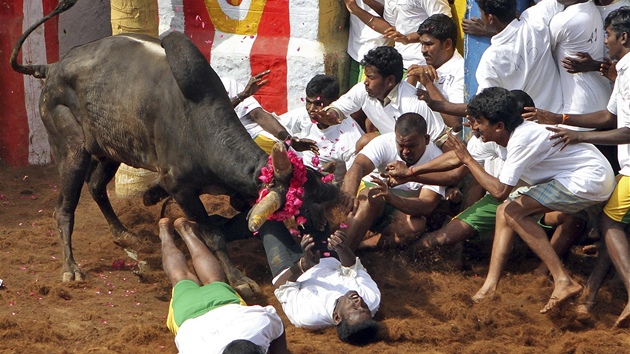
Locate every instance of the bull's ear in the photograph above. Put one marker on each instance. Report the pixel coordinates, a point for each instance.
(191, 70)
(261, 211)
(280, 160)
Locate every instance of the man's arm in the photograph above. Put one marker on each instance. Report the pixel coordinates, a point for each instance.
(607, 137)
(444, 170)
(272, 126)
(306, 262)
(493, 185)
(279, 345)
(359, 169)
(376, 23)
(603, 119)
(423, 205)
(444, 107)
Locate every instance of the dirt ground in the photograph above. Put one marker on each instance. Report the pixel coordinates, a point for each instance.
(426, 307)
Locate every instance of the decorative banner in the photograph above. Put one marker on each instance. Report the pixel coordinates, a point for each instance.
(237, 16)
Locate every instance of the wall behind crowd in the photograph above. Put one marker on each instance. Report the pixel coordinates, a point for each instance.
(296, 39)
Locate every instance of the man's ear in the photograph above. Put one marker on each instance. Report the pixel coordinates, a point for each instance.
(623, 39)
(427, 139)
(500, 126)
(337, 317)
(447, 44)
(390, 81)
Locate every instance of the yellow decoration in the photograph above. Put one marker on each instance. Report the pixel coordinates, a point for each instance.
(224, 23)
(134, 16)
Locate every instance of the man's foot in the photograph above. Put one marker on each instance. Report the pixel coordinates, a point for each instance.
(482, 294)
(562, 293)
(624, 319)
(166, 229)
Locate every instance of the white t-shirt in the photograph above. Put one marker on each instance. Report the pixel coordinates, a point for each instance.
(489, 154)
(383, 150)
(404, 100)
(519, 57)
(450, 80)
(336, 143)
(620, 105)
(233, 88)
(580, 168)
(607, 9)
(309, 302)
(214, 330)
(361, 37)
(406, 16)
(579, 29)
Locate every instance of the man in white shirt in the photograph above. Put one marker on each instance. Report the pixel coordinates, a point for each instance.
(335, 141)
(399, 18)
(260, 124)
(361, 38)
(317, 290)
(575, 180)
(399, 214)
(616, 216)
(443, 75)
(205, 314)
(384, 97)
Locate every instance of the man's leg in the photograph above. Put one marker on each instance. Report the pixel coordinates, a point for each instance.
(404, 228)
(594, 282)
(454, 232)
(369, 210)
(617, 245)
(568, 229)
(518, 215)
(206, 265)
(501, 248)
(173, 260)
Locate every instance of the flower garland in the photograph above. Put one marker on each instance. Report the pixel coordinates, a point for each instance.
(295, 194)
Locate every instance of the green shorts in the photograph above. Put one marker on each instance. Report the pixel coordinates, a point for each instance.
(192, 300)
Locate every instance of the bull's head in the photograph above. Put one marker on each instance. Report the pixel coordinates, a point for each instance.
(315, 190)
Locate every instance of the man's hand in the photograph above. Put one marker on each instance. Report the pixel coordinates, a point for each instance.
(310, 258)
(337, 242)
(254, 84)
(381, 189)
(304, 144)
(348, 203)
(351, 5)
(580, 63)
(397, 173)
(541, 116)
(426, 74)
(459, 148)
(392, 34)
(475, 27)
(564, 136)
(608, 69)
(424, 96)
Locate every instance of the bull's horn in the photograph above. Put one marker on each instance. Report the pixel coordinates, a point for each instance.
(280, 160)
(261, 211)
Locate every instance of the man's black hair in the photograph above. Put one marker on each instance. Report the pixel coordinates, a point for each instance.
(360, 333)
(409, 123)
(439, 26)
(242, 346)
(619, 21)
(386, 60)
(504, 10)
(323, 86)
(522, 100)
(496, 104)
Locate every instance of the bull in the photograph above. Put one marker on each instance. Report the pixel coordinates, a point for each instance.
(156, 105)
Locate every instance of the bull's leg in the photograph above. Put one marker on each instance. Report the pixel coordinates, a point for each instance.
(99, 175)
(215, 240)
(72, 171)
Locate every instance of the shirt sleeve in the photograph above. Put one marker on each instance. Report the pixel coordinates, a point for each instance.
(486, 74)
(432, 7)
(519, 159)
(352, 100)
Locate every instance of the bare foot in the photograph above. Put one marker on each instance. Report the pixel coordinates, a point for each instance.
(482, 294)
(583, 310)
(166, 228)
(561, 293)
(624, 319)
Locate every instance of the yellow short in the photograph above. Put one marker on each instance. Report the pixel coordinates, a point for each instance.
(265, 143)
(618, 206)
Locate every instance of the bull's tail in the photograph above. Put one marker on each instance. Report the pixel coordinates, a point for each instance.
(38, 71)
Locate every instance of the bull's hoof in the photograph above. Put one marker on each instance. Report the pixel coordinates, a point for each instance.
(72, 276)
(247, 288)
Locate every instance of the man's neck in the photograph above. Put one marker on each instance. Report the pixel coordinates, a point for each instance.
(603, 2)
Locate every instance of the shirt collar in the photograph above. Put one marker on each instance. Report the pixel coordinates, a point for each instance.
(623, 63)
(392, 96)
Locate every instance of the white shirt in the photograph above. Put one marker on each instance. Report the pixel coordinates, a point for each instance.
(579, 29)
(383, 150)
(519, 57)
(214, 330)
(580, 168)
(309, 302)
(607, 9)
(406, 16)
(233, 88)
(450, 79)
(336, 143)
(620, 105)
(361, 37)
(489, 154)
(384, 117)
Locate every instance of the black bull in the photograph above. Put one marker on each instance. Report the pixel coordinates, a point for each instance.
(159, 106)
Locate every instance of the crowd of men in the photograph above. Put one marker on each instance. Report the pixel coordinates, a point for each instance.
(553, 82)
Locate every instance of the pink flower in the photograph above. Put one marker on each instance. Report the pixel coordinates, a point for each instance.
(343, 226)
(328, 178)
(315, 160)
(300, 220)
(294, 232)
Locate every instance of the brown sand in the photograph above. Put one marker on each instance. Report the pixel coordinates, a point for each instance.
(426, 307)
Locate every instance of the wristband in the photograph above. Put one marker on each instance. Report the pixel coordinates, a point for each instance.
(411, 170)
